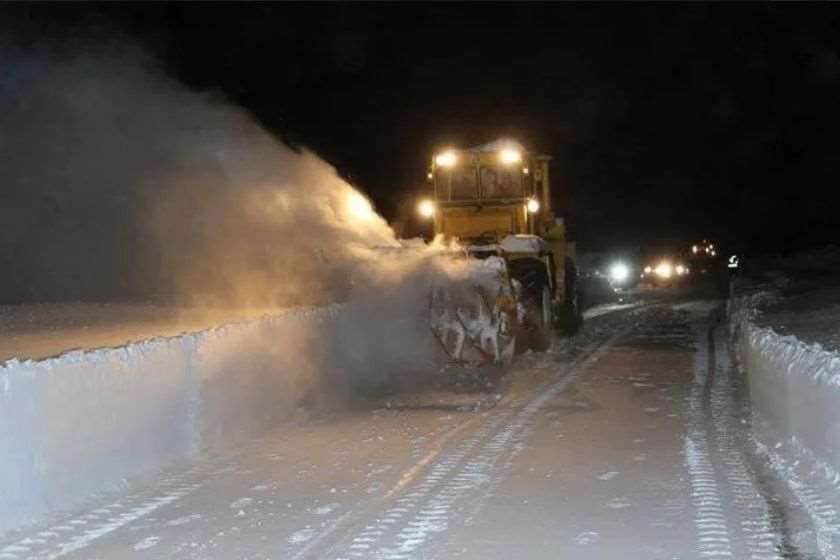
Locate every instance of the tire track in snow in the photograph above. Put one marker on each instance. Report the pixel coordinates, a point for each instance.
(732, 516)
(468, 471)
(761, 537)
(77, 532)
(824, 516)
(713, 535)
(710, 520)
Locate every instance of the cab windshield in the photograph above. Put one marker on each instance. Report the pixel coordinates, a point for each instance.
(501, 183)
(469, 183)
(459, 183)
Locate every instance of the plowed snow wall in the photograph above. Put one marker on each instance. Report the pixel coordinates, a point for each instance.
(86, 421)
(794, 386)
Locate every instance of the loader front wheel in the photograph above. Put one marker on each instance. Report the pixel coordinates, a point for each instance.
(542, 319)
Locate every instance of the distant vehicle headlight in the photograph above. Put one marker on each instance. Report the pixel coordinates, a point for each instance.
(664, 270)
(426, 208)
(648, 270)
(681, 270)
(619, 273)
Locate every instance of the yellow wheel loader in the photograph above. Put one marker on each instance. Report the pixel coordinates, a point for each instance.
(493, 202)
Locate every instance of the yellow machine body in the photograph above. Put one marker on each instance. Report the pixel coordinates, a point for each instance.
(481, 198)
(495, 200)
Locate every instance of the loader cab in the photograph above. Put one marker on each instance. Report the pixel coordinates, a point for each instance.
(493, 190)
(480, 182)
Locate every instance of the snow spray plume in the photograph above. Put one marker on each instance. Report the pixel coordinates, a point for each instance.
(118, 182)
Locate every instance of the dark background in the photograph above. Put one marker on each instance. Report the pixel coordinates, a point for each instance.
(667, 122)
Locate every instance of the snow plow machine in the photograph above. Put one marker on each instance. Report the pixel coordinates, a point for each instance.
(491, 205)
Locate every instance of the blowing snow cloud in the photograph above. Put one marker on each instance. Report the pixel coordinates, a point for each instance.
(119, 182)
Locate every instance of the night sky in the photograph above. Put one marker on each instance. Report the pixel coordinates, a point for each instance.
(667, 122)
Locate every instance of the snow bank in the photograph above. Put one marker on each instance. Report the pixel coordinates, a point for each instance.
(88, 420)
(794, 387)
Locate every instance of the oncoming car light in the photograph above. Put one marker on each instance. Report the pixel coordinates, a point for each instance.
(664, 270)
(619, 273)
(426, 208)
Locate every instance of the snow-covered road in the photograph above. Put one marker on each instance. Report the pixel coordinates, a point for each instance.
(629, 442)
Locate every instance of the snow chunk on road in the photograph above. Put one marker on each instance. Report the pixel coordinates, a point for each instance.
(619, 503)
(241, 503)
(587, 537)
(301, 536)
(183, 520)
(326, 509)
(148, 542)
(608, 475)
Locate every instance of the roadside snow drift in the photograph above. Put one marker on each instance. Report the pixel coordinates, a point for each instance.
(794, 386)
(85, 421)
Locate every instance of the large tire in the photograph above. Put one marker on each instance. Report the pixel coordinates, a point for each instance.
(542, 320)
(538, 302)
(571, 316)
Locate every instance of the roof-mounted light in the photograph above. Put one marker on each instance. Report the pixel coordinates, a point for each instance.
(509, 156)
(446, 159)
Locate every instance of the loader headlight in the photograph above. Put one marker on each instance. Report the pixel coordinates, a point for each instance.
(619, 273)
(533, 205)
(446, 159)
(426, 208)
(509, 156)
(360, 207)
